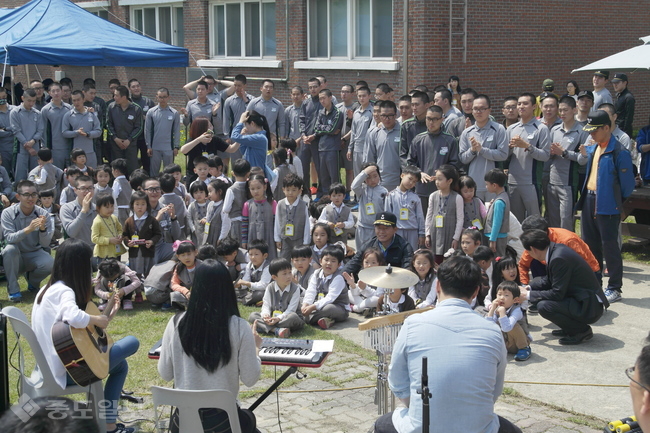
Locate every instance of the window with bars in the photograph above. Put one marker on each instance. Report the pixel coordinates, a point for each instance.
(243, 29)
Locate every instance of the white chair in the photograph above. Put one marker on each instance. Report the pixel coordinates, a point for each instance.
(188, 404)
(41, 383)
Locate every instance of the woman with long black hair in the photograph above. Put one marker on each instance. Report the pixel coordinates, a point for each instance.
(64, 298)
(210, 346)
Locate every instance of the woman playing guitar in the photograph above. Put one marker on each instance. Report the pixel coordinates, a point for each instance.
(64, 299)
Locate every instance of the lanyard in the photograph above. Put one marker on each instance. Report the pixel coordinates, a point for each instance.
(443, 204)
(109, 229)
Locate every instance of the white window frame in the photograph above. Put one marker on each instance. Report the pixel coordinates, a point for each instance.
(94, 7)
(262, 60)
(351, 29)
(156, 4)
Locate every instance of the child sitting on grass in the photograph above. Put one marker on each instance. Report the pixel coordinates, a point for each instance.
(507, 313)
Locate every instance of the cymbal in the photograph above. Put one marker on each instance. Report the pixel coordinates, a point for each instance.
(388, 277)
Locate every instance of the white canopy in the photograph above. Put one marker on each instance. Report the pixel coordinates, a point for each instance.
(628, 60)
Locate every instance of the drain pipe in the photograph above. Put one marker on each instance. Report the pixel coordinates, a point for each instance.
(405, 53)
(286, 37)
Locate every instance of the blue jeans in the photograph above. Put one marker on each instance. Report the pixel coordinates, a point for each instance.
(117, 371)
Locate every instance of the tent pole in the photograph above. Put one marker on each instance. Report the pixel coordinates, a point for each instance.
(13, 86)
(93, 69)
(29, 82)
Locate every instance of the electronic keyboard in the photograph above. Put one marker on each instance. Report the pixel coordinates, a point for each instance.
(278, 351)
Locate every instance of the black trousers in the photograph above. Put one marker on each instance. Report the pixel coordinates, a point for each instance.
(571, 315)
(384, 424)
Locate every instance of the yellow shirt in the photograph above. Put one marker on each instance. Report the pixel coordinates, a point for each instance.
(102, 230)
(593, 174)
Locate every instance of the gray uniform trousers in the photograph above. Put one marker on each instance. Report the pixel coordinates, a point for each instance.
(38, 263)
(292, 321)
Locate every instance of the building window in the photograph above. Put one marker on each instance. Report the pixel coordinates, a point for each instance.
(350, 29)
(101, 13)
(164, 23)
(243, 29)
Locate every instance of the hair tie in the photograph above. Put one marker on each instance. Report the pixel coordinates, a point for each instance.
(177, 244)
(289, 152)
(472, 228)
(497, 259)
(266, 180)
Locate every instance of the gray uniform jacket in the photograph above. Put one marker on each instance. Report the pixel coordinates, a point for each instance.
(6, 133)
(27, 125)
(382, 147)
(232, 111)
(77, 224)
(162, 128)
(273, 110)
(525, 166)
(14, 222)
(53, 121)
(360, 123)
(292, 115)
(196, 109)
(494, 148)
(563, 170)
(309, 115)
(73, 120)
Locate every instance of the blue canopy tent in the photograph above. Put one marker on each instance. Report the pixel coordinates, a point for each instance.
(58, 32)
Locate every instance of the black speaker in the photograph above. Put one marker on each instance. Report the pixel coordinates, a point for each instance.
(4, 365)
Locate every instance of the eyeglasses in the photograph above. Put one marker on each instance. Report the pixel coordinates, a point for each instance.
(510, 107)
(152, 189)
(433, 119)
(480, 110)
(32, 195)
(84, 188)
(630, 372)
(386, 116)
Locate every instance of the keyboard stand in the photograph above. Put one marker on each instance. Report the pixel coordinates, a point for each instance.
(276, 384)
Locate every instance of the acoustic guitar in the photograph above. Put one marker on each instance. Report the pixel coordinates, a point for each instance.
(84, 351)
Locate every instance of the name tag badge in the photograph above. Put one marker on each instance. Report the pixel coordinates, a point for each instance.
(205, 154)
(396, 140)
(570, 140)
(531, 136)
(135, 238)
(206, 230)
(370, 209)
(440, 221)
(118, 249)
(288, 230)
(490, 138)
(170, 117)
(35, 118)
(404, 214)
(321, 296)
(146, 108)
(277, 313)
(338, 231)
(164, 223)
(273, 110)
(444, 150)
(477, 223)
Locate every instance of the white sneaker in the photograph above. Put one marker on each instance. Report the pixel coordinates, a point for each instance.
(613, 295)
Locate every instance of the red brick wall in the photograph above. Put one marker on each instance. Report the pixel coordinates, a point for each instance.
(512, 48)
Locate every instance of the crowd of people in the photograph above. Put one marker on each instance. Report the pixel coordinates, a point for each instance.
(481, 211)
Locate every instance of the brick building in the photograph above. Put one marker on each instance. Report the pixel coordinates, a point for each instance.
(496, 47)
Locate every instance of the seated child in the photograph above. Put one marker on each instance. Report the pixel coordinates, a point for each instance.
(183, 277)
(197, 211)
(78, 159)
(114, 275)
(47, 203)
(507, 313)
(46, 175)
(103, 177)
(233, 257)
(363, 298)
(337, 215)
(280, 313)
(505, 269)
(302, 269)
(207, 252)
(67, 193)
(424, 292)
(398, 301)
(320, 238)
(326, 299)
(484, 257)
(256, 274)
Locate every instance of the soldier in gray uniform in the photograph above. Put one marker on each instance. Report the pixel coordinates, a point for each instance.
(361, 120)
(272, 109)
(292, 113)
(482, 144)
(28, 229)
(77, 216)
(162, 132)
(308, 151)
(562, 167)
(6, 133)
(233, 107)
(529, 148)
(145, 104)
(53, 114)
(383, 146)
(27, 125)
(82, 126)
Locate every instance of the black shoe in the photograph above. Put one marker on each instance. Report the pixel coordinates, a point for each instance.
(578, 338)
(532, 309)
(559, 333)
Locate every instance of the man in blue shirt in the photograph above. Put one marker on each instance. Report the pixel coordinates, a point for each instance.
(466, 356)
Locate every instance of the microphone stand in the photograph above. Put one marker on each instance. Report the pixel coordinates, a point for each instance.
(426, 395)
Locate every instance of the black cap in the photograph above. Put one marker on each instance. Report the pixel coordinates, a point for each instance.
(545, 95)
(604, 74)
(619, 77)
(588, 93)
(596, 120)
(386, 219)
